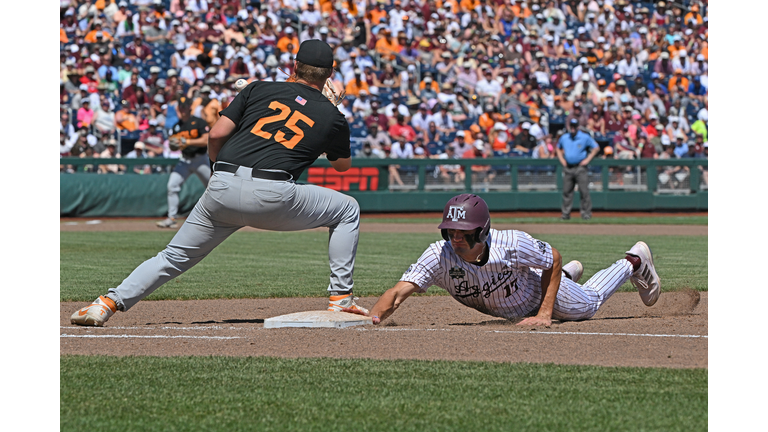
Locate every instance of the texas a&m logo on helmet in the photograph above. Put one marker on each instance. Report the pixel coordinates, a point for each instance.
(455, 213)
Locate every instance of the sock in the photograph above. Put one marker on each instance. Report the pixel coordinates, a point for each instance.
(339, 293)
(635, 261)
(110, 296)
(110, 303)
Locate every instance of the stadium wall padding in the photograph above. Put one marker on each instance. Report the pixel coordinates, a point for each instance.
(105, 195)
(93, 195)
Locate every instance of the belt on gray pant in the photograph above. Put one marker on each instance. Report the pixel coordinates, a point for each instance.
(573, 165)
(255, 172)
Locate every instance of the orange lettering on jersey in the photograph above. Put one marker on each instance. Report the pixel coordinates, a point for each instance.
(285, 111)
(275, 105)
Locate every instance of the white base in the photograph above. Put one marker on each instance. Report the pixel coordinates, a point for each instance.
(315, 319)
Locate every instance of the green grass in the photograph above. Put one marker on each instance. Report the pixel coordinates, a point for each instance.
(575, 219)
(295, 264)
(269, 394)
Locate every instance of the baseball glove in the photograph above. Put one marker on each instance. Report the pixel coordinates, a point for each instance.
(177, 143)
(329, 91)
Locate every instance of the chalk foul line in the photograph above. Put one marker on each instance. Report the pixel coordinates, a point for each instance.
(124, 336)
(600, 334)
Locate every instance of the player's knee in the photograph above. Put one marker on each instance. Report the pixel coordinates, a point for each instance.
(174, 187)
(352, 210)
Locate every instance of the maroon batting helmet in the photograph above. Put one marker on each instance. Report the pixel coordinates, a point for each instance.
(466, 212)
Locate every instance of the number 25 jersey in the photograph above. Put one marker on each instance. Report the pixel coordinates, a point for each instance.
(284, 126)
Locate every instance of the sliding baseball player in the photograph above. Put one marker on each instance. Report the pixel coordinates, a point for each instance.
(510, 274)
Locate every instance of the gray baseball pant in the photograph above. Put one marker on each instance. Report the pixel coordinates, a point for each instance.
(571, 176)
(234, 200)
(199, 166)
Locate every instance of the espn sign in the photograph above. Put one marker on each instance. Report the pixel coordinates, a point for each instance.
(365, 178)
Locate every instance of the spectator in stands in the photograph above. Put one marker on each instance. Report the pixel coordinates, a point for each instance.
(387, 79)
(401, 149)
(378, 139)
(345, 107)
(499, 138)
(356, 84)
(152, 32)
(678, 80)
(467, 77)
(361, 107)
(699, 127)
(433, 134)
(427, 88)
(647, 149)
(681, 146)
(488, 86)
(449, 173)
(138, 50)
(480, 173)
(420, 120)
(674, 128)
(524, 141)
(65, 125)
(402, 129)
(368, 152)
(139, 152)
(110, 152)
(628, 66)
(377, 116)
(104, 120)
(545, 148)
(153, 138)
(460, 144)
(85, 114)
(596, 124)
(125, 119)
(191, 72)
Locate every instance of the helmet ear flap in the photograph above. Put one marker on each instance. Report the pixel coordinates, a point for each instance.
(444, 233)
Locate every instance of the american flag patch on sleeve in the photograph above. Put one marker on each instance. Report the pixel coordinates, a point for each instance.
(301, 100)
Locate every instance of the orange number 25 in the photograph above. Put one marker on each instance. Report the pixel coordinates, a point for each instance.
(290, 124)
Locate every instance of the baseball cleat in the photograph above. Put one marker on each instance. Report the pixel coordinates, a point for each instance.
(95, 314)
(337, 303)
(167, 223)
(573, 270)
(645, 279)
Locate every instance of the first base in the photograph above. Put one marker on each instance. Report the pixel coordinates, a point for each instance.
(315, 319)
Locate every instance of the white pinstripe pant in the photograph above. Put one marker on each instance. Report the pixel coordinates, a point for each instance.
(579, 302)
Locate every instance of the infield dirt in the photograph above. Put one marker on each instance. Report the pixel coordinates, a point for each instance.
(672, 333)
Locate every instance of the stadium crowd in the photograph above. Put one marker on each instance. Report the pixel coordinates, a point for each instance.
(442, 79)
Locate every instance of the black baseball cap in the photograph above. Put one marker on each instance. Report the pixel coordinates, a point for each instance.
(315, 53)
(185, 102)
(574, 121)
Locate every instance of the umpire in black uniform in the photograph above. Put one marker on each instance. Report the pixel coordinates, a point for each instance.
(263, 141)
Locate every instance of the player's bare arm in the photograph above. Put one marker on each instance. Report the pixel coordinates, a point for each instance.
(341, 164)
(389, 301)
(550, 284)
(221, 131)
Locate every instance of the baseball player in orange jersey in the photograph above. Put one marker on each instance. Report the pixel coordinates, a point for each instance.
(510, 274)
(267, 136)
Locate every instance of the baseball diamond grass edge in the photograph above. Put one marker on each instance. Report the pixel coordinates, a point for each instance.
(294, 264)
(274, 394)
(575, 219)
